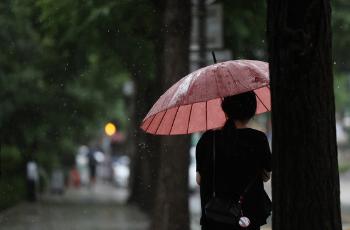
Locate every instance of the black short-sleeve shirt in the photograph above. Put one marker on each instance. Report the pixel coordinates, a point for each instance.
(239, 159)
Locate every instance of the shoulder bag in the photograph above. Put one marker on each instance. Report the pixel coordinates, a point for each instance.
(225, 210)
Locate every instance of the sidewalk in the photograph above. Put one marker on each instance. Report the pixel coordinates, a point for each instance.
(103, 208)
(99, 208)
(345, 199)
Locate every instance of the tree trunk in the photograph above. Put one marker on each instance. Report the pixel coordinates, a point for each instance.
(171, 203)
(305, 181)
(145, 164)
(145, 159)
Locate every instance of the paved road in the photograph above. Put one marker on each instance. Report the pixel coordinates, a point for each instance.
(73, 216)
(103, 208)
(99, 208)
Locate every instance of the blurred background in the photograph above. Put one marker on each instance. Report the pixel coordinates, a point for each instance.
(76, 79)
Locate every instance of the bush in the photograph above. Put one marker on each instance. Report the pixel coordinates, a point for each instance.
(12, 178)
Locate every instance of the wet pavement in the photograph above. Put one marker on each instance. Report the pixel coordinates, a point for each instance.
(345, 199)
(103, 207)
(73, 216)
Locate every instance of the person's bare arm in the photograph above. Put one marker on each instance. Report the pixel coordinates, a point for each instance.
(198, 178)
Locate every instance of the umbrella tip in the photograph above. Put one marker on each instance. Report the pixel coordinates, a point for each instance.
(214, 58)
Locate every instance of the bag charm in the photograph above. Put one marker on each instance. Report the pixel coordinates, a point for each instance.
(244, 222)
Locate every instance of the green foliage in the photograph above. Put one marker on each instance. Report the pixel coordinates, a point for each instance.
(62, 69)
(341, 34)
(12, 191)
(11, 182)
(244, 28)
(342, 93)
(341, 44)
(10, 159)
(344, 167)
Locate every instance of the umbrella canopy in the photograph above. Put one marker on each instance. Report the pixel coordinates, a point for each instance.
(193, 104)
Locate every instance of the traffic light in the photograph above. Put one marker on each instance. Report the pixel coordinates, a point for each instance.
(110, 129)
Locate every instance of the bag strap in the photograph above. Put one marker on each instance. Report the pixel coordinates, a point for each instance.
(241, 198)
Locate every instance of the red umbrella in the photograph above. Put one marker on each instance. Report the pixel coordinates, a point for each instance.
(193, 104)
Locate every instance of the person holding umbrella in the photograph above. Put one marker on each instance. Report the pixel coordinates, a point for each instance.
(219, 100)
(242, 158)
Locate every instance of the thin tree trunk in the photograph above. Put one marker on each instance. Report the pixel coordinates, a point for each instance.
(171, 203)
(145, 168)
(145, 159)
(305, 181)
(202, 32)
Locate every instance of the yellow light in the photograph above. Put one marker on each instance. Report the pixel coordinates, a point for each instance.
(110, 129)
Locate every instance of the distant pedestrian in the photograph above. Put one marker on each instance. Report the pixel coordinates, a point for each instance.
(92, 166)
(32, 180)
(242, 157)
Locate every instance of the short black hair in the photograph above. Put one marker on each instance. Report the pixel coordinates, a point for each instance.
(240, 107)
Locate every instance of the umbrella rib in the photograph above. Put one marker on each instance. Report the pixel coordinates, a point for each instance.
(261, 101)
(216, 81)
(206, 115)
(235, 82)
(243, 85)
(172, 125)
(150, 122)
(161, 121)
(189, 118)
(252, 90)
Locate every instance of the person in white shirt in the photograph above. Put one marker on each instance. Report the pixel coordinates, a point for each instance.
(32, 180)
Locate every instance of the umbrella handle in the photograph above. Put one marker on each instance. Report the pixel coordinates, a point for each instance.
(214, 58)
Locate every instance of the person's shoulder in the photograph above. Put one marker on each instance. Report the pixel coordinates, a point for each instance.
(207, 136)
(257, 133)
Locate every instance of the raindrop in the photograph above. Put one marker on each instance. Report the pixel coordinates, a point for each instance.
(338, 87)
(142, 145)
(334, 62)
(263, 41)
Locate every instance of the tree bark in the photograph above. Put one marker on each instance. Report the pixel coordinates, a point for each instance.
(305, 181)
(171, 203)
(145, 164)
(145, 159)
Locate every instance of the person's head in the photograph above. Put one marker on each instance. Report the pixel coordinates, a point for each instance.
(240, 107)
